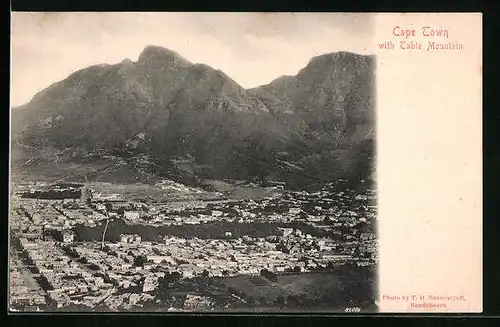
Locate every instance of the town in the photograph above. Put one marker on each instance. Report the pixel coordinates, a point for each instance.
(73, 248)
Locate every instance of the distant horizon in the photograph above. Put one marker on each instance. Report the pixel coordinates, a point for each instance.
(251, 48)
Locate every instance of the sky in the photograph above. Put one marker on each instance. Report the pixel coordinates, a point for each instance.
(252, 48)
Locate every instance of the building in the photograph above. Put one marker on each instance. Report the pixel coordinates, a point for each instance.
(117, 205)
(160, 258)
(124, 238)
(286, 231)
(99, 197)
(131, 215)
(150, 284)
(275, 183)
(100, 207)
(335, 256)
(217, 213)
(366, 236)
(60, 299)
(128, 238)
(86, 194)
(194, 302)
(68, 236)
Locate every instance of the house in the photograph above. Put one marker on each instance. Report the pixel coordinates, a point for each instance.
(286, 231)
(366, 236)
(134, 298)
(217, 213)
(68, 237)
(188, 273)
(131, 215)
(127, 238)
(150, 284)
(61, 299)
(275, 183)
(194, 302)
(160, 258)
(117, 205)
(335, 256)
(124, 238)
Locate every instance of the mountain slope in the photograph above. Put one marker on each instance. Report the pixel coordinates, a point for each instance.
(333, 95)
(313, 123)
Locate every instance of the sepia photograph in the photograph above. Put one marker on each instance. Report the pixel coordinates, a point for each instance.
(193, 162)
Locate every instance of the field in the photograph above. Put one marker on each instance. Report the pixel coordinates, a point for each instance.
(257, 286)
(64, 169)
(335, 290)
(140, 191)
(328, 291)
(240, 189)
(107, 176)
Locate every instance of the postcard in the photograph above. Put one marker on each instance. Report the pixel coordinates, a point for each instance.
(246, 162)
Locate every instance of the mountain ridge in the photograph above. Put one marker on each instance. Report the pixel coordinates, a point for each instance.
(193, 109)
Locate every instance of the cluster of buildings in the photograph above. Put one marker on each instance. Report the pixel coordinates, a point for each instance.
(24, 290)
(82, 275)
(319, 230)
(169, 185)
(54, 192)
(64, 278)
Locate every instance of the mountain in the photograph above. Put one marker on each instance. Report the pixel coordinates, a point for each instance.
(333, 95)
(331, 104)
(316, 123)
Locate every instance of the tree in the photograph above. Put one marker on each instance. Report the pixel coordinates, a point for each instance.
(205, 273)
(292, 300)
(280, 300)
(105, 229)
(173, 277)
(109, 206)
(282, 247)
(140, 260)
(44, 283)
(269, 275)
(297, 269)
(93, 266)
(251, 300)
